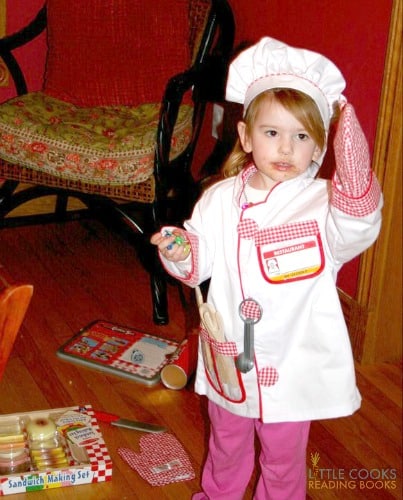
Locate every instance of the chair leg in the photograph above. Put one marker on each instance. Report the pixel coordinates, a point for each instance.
(158, 276)
(6, 190)
(139, 235)
(61, 205)
(158, 284)
(159, 293)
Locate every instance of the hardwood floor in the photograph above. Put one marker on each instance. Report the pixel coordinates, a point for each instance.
(80, 273)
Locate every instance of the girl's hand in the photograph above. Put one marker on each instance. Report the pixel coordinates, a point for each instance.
(172, 244)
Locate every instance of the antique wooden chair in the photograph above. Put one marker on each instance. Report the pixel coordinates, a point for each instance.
(117, 121)
(14, 302)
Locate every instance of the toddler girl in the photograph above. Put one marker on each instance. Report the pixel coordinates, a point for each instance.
(271, 238)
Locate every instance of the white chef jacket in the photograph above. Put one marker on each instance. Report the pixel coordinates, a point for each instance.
(283, 252)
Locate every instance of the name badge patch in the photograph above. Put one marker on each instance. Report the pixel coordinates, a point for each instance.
(291, 252)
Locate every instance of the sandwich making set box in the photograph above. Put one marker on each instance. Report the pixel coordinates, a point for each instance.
(50, 449)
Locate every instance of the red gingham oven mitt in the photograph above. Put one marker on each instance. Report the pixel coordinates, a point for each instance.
(162, 460)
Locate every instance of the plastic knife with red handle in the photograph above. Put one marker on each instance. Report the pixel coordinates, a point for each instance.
(115, 420)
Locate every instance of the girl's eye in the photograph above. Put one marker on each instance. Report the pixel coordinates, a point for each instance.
(271, 133)
(302, 136)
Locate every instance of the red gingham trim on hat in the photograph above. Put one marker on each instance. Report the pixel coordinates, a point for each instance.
(358, 207)
(323, 105)
(224, 348)
(268, 376)
(290, 231)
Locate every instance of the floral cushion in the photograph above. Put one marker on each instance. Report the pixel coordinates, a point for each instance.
(105, 145)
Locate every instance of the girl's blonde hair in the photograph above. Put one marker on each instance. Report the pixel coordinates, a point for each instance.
(299, 104)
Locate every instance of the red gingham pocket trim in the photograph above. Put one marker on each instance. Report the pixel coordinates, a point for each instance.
(286, 232)
(224, 348)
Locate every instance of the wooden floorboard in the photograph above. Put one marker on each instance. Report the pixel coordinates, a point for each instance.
(82, 272)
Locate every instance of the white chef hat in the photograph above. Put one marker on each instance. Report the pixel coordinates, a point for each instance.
(273, 64)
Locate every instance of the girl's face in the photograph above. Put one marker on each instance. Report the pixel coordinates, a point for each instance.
(281, 147)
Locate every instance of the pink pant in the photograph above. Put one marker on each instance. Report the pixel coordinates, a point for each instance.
(231, 458)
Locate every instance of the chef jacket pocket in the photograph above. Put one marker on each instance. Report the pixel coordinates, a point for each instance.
(219, 362)
(291, 252)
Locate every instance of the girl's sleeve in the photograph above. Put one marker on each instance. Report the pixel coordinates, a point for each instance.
(356, 198)
(196, 268)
